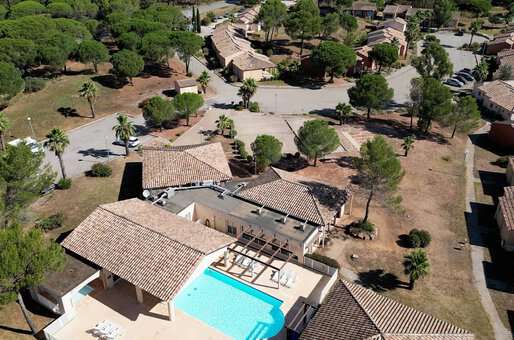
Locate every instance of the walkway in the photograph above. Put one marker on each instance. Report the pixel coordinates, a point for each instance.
(477, 247)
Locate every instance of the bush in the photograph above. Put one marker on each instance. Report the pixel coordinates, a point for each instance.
(254, 107)
(419, 238)
(249, 158)
(324, 259)
(101, 170)
(240, 146)
(34, 84)
(64, 183)
(502, 161)
(51, 222)
(205, 21)
(365, 226)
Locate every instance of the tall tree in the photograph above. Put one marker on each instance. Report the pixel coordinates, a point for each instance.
(157, 111)
(343, 111)
(433, 62)
(348, 22)
(474, 28)
(416, 96)
(4, 125)
(11, 82)
(187, 104)
(266, 151)
(187, 44)
(89, 91)
(335, 58)
(329, 24)
(385, 54)
(436, 103)
(482, 70)
(94, 52)
(25, 258)
(247, 90)
(156, 47)
(464, 116)
(379, 169)
(123, 130)
(303, 21)
(416, 266)
(316, 139)
(443, 11)
(203, 80)
(57, 141)
(22, 177)
(273, 14)
(126, 63)
(223, 123)
(480, 7)
(372, 92)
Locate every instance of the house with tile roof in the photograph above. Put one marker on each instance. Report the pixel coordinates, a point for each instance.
(388, 35)
(397, 24)
(500, 42)
(364, 9)
(497, 96)
(396, 11)
(166, 167)
(505, 217)
(352, 312)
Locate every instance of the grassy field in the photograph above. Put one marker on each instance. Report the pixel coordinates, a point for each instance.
(433, 199)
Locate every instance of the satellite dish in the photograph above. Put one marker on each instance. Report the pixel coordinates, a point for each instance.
(146, 194)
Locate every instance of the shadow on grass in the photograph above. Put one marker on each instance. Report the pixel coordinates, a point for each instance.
(68, 112)
(110, 81)
(380, 281)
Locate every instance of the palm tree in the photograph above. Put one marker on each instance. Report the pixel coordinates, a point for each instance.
(89, 91)
(124, 130)
(4, 125)
(57, 141)
(204, 79)
(247, 90)
(482, 70)
(416, 265)
(223, 123)
(343, 112)
(474, 28)
(408, 144)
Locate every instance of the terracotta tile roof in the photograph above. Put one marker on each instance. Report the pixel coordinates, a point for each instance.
(353, 312)
(396, 9)
(386, 35)
(502, 38)
(363, 6)
(181, 83)
(412, 11)
(302, 197)
(249, 15)
(499, 92)
(506, 205)
(252, 61)
(145, 245)
(165, 167)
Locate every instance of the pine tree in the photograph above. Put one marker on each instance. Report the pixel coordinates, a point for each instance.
(193, 18)
(198, 25)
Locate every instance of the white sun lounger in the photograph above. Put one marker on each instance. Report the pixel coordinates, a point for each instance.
(274, 276)
(284, 277)
(246, 262)
(291, 279)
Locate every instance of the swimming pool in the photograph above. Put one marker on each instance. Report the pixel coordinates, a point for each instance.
(232, 307)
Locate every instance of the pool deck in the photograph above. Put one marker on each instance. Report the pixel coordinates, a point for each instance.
(150, 319)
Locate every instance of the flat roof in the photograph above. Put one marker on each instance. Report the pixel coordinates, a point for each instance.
(75, 271)
(269, 220)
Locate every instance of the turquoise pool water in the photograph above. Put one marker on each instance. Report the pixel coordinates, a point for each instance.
(231, 306)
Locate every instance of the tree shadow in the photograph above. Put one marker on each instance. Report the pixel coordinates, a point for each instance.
(110, 81)
(15, 330)
(327, 195)
(170, 93)
(131, 182)
(68, 112)
(380, 281)
(98, 153)
(403, 241)
(291, 162)
(157, 70)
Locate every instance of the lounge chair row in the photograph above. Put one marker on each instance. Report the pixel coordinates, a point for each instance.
(287, 278)
(107, 330)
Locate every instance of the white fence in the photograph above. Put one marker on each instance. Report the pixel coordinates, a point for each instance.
(57, 325)
(318, 266)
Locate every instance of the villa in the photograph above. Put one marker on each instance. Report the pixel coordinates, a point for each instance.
(396, 11)
(497, 96)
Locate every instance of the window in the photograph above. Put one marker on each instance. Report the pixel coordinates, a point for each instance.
(232, 230)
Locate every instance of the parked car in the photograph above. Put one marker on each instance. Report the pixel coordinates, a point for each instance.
(453, 82)
(466, 76)
(460, 78)
(31, 142)
(133, 142)
(467, 70)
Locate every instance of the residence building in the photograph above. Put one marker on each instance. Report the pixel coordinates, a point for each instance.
(505, 218)
(352, 312)
(364, 62)
(497, 96)
(396, 11)
(235, 53)
(186, 86)
(248, 20)
(500, 42)
(166, 167)
(510, 171)
(505, 57)
(257, 214)
(397, 24)
(389, 35)
(364, 9)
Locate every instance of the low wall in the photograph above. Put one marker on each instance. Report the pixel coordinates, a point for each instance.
(57, 325)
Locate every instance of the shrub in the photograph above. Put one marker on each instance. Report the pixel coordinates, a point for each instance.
(502, 161)
(205, 21)
(240, 146)
(419, 238)
(34, 84)
(365, 226)
(324, 259)
(51, 222)
(254, 107)
(249, 158)
(64, 183)
(101, 170)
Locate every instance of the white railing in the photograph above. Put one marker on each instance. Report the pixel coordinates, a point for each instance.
(57, 325)
(318, 266)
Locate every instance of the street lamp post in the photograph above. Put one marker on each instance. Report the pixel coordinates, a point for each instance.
(31, 127)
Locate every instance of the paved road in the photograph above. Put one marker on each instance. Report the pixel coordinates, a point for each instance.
(92, 143)
(477, 245)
